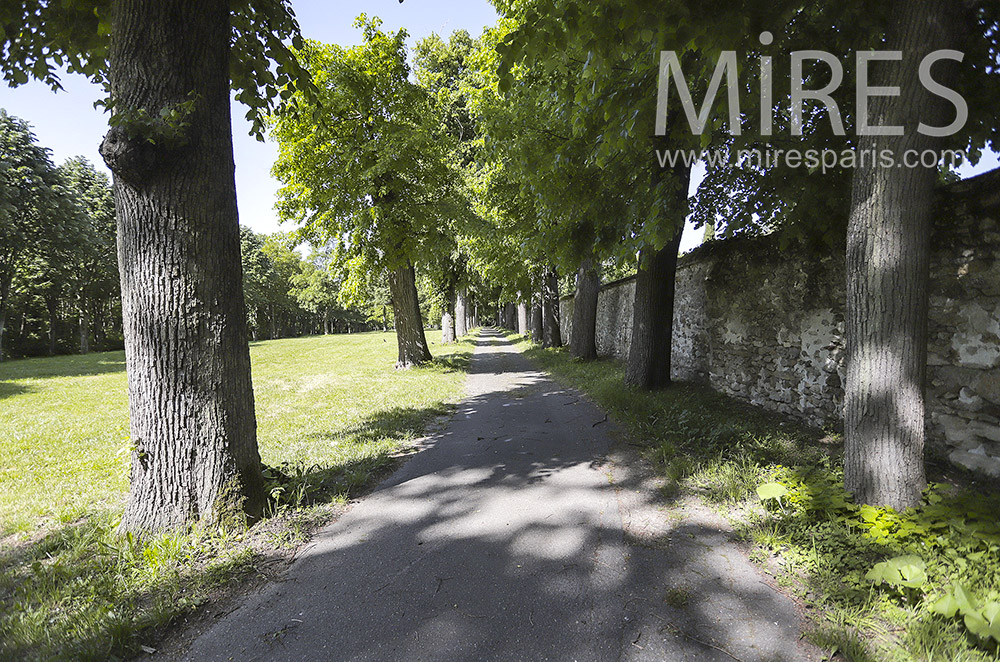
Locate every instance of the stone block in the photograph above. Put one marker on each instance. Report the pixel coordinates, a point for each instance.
(976, 462)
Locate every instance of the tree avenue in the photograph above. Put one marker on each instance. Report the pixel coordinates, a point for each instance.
(497, 174)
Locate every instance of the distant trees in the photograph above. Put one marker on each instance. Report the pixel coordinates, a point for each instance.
(58, 272)
(29, 189)
(288, 295)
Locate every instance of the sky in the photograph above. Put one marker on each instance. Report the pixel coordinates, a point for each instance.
(69, 125)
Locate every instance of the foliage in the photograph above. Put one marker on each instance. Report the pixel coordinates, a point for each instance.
(57, 240)
(982, 618)
(370, 177)
(288, 295)
(41, 37)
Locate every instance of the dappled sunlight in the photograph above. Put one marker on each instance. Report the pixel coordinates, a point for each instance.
(503, 538)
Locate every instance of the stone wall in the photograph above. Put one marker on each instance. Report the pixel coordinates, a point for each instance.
(766, 324)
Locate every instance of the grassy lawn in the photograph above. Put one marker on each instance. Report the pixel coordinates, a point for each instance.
(816, 541)
(332, 415)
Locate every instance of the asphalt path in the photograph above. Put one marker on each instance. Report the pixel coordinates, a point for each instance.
(517, 533)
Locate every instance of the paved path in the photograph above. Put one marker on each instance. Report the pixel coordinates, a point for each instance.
(515, 536)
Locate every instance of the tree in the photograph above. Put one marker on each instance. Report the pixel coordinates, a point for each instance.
(94, 266)
(443, 69)
(316, 290)
(371, 176)
(608, 116)
(168, 67)
(888, 257)
(551, 335)
(258, 275)
(30, 214)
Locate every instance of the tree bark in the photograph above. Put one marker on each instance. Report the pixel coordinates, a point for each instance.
(888, 257)
(522, 315)
(536, 319)
(461, 314)
(191, 406)
(409, 326)
(448, 315)
(551, 335)
(648, 365)
(583, 340)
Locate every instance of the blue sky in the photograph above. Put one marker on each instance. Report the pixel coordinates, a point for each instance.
(68, 124)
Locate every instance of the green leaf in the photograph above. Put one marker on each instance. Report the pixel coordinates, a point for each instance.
(965, 599)
(771, 491)
(908, 571)
(947, 606)
(869, 513)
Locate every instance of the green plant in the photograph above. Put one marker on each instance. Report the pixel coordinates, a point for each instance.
(981, 617)
(771, 491)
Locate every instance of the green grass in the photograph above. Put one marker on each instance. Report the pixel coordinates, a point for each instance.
(707, 444)
(333, 415)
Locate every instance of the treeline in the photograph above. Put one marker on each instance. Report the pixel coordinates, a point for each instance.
(59, 280)
(59, 286)
(288, 295)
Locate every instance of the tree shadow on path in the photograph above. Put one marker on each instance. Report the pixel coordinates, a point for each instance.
(503, 540)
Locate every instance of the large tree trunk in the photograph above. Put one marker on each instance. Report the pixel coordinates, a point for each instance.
(551, 336)
(193, 431)
(648, 364)
(888, 256)
(448, 315)
(409, 325)
(461, 314)
(583, 339)
(522, 315)
(536, 319)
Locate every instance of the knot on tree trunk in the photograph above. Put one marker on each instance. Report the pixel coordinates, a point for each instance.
(132, 157)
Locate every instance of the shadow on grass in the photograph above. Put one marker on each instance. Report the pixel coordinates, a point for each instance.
(63, 366)
(378, 444)
(8, 389)
(82, 593)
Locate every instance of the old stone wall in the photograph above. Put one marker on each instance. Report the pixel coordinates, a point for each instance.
(765, 323)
